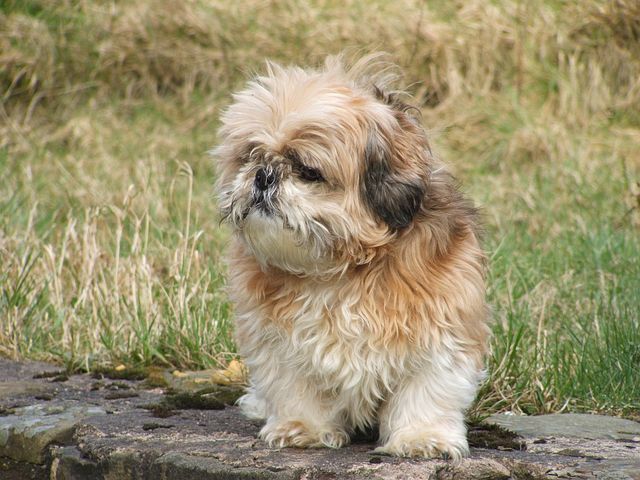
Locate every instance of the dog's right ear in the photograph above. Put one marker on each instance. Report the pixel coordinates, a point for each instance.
(395, 173)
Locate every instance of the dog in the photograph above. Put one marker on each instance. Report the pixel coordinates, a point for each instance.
(355, 264)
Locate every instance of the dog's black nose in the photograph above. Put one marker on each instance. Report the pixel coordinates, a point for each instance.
(264, 179)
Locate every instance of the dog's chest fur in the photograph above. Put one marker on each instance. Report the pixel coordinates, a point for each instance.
(325, 333)
(334, 337)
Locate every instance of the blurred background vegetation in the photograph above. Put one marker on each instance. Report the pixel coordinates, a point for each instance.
(110, 245)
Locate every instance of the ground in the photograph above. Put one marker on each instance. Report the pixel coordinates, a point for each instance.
(82, 427)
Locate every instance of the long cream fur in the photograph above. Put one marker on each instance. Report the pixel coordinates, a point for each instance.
(344, 321)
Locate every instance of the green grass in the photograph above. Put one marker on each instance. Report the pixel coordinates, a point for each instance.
(566, 335)
(111, 249)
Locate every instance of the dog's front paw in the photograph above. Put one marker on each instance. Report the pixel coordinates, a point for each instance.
(426, 444)
(294, 433)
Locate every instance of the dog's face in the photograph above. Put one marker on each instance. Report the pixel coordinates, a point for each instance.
(319, 170)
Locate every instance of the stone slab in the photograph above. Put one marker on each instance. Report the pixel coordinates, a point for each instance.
(576, 425)
(112, 429)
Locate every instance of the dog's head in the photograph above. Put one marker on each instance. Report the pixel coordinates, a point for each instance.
(320, 170)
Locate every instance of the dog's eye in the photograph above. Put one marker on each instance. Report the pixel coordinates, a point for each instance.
(309, 174)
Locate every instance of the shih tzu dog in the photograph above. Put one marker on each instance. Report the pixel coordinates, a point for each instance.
(355, 265)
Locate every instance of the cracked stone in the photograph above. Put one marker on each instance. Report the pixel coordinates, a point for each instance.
(73, 439)
(25, 435)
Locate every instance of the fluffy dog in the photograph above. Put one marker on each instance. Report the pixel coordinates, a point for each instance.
(355, 265)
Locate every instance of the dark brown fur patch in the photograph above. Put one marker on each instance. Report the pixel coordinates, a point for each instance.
(396, 199)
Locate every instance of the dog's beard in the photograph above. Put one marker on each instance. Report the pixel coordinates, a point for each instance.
(274, 243)
(279, 231)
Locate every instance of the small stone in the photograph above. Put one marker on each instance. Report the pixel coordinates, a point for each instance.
(118, 386)
(234, 375)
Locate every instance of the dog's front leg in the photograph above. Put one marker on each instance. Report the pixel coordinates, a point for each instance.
(297, 412)
(425, 415)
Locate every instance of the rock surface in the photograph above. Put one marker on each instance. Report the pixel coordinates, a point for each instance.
(28, 431)
(83, 428)
(576, 425)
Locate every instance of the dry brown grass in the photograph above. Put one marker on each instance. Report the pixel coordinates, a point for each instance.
(109, 242)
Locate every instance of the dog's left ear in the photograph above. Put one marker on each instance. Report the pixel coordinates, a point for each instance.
(395, 176)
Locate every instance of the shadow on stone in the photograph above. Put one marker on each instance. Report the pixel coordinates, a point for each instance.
(494, 436)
